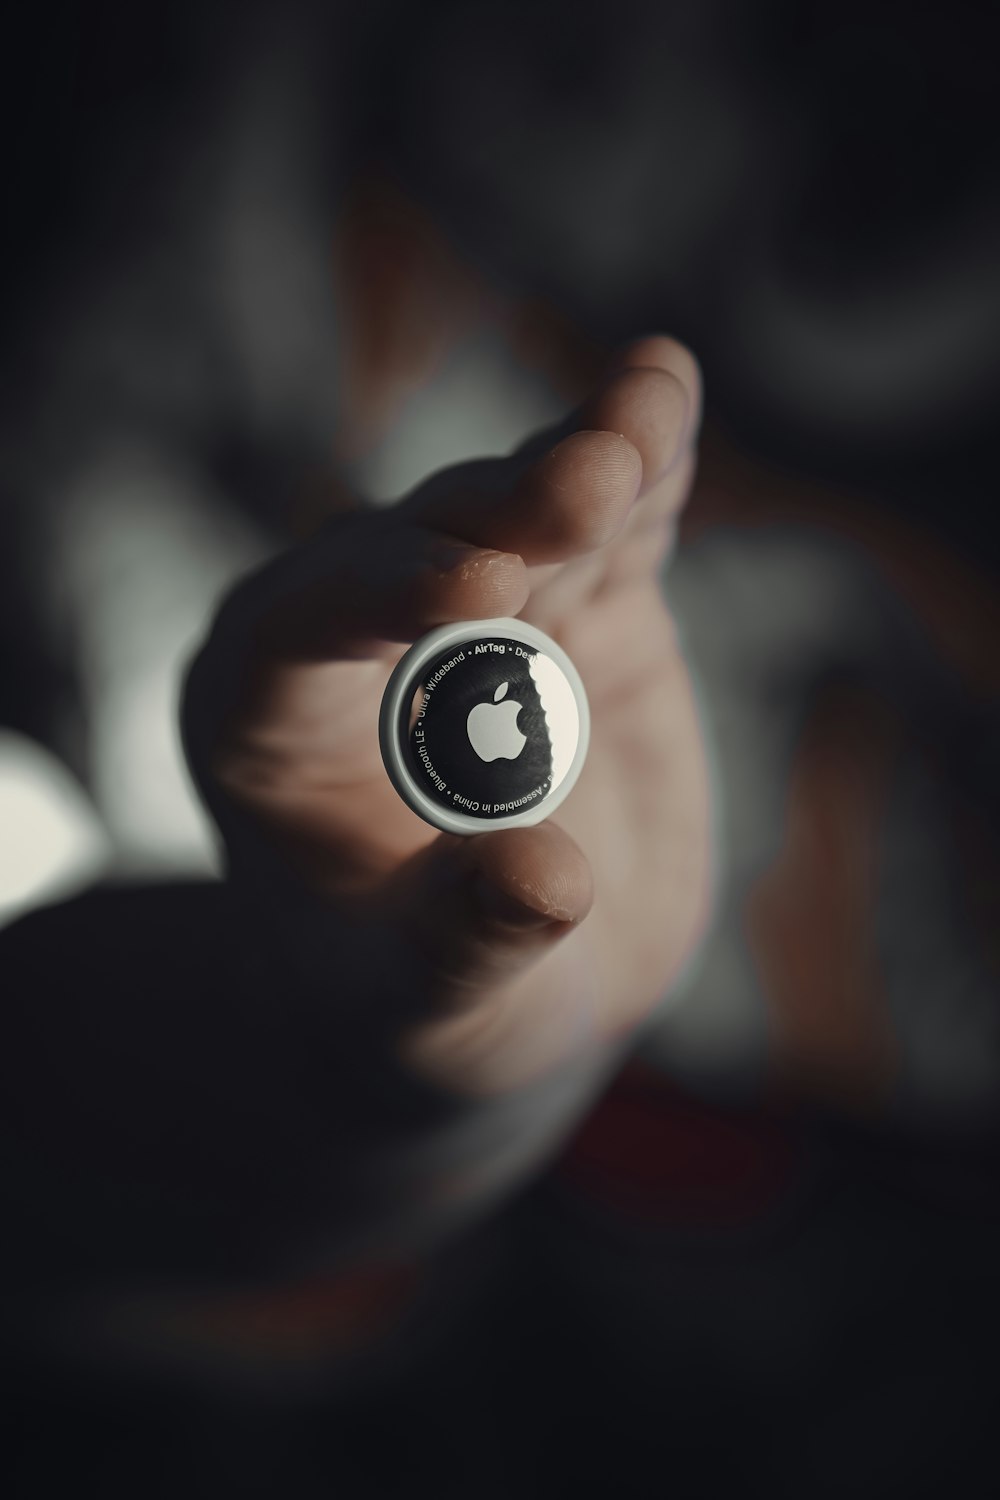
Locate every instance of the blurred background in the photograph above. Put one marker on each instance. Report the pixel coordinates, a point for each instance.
(259, 258)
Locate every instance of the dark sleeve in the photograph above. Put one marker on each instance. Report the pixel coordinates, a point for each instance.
(156, 1084)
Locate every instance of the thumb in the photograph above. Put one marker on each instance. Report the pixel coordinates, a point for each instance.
(475, 912)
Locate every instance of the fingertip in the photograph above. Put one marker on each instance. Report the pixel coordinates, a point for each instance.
(463, 582)
(538, 871)
(649, 407)
(658, 351)
(577, 497)
(604, 459)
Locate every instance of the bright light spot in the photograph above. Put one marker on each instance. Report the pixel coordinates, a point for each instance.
(51, 842)
(561, 714)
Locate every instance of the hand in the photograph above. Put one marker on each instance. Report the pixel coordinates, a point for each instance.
(485, 964)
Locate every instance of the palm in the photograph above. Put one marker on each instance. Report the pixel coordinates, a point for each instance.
(640, 809)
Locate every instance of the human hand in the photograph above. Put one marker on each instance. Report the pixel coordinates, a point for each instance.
(483, 965)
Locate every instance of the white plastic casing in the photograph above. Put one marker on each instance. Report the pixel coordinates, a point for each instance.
(484, 724)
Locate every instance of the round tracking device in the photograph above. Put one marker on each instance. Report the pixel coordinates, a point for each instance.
(484, 724)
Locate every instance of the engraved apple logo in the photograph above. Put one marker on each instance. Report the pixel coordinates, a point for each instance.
(493, 727)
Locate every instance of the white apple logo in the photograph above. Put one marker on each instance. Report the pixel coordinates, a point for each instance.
(493, 727)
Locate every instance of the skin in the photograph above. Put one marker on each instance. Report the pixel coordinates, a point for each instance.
(496, 972)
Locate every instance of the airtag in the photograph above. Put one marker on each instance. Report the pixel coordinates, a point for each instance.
(483, 725)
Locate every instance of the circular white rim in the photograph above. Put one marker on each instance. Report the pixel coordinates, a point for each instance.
(400, 687)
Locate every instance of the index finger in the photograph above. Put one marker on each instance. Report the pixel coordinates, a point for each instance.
(571, 488)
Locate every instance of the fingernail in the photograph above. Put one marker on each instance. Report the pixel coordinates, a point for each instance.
(500, 907)
(404, 554)
(446, 555)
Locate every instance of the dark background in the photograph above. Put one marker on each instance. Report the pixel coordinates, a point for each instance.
(727, 1285)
